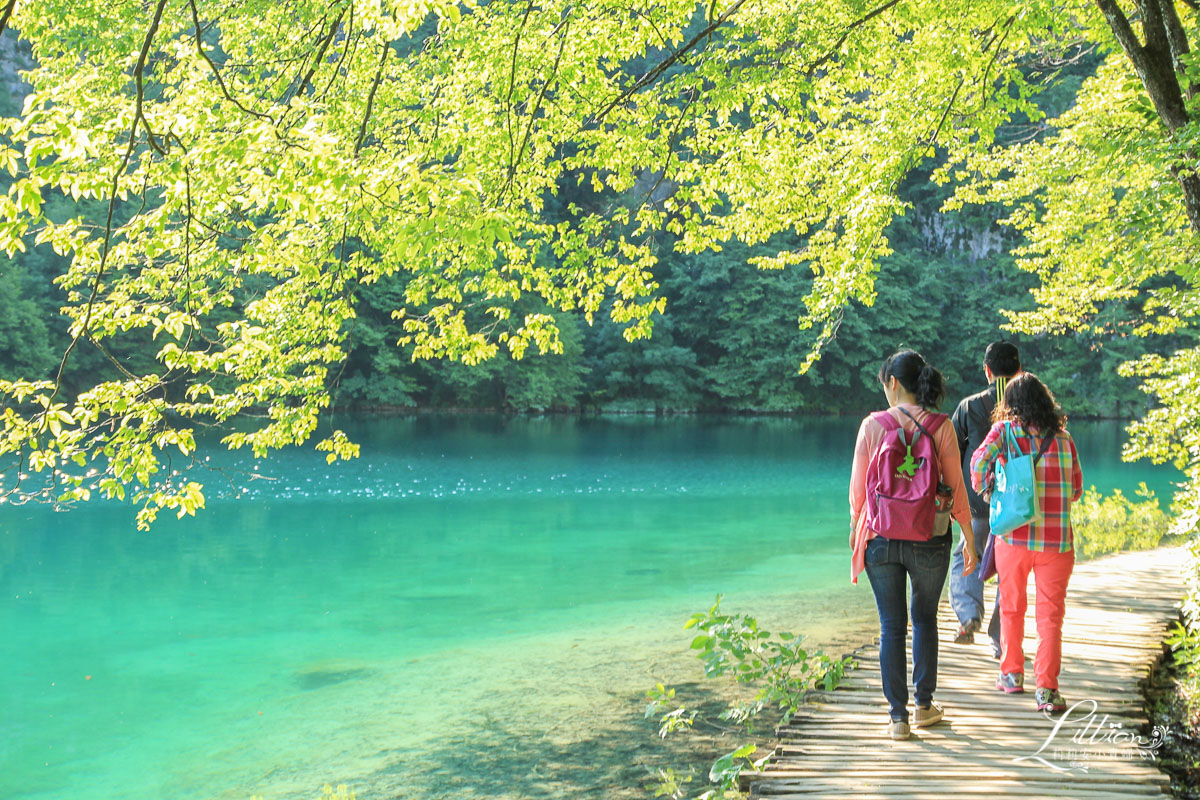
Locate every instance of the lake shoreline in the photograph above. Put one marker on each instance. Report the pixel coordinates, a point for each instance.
(693, 413)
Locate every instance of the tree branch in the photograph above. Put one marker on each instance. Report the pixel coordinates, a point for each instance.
(654, 74)
(512, 86)
(106, 247)
(1153, 28)
(345, 52)
(362, 128)
(987, 72)
(1178, 43)
(8, 12)
(858, 23)
(512, 169)
(933, 137)
(662, 175)
(1121, 28)
(216, 73)
(1156, 68)
(304, 83)
(1152, 62)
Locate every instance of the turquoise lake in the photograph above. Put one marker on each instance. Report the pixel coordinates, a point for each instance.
(472, 609)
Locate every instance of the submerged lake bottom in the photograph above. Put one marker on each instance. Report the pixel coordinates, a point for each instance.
(474, 608)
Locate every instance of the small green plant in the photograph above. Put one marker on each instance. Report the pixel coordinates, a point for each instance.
(679, 718)
(736, 646)
(1184, 641)
(727, 769)
(1185, 644)
(669, 783)
(1110, 524)
(327, 793)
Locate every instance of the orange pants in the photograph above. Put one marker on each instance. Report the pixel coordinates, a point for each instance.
(1051, 572)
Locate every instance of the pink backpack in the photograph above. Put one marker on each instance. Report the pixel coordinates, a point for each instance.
(902, 479)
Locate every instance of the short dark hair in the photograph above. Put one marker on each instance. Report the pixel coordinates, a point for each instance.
(916, 375)
(1002, 359)
(1030, 404)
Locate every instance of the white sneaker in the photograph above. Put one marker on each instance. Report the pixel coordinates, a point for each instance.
(924, 717)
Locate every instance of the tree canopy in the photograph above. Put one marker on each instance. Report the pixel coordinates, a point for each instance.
(244, 173)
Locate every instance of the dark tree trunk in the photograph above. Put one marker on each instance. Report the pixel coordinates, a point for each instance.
(1159, 65)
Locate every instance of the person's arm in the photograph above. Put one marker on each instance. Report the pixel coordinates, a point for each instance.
(950, 462)
(984, 459)
(858, 477)
(1076, 472)
(959, 421)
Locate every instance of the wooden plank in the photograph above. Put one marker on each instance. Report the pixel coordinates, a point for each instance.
(1019, 704)
(1118, 611)
(834, 760)
(803, 790)
(889, 773)
(954, 674)
(961, 784)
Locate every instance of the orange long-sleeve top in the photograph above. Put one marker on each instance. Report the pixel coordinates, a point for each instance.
(870, 434)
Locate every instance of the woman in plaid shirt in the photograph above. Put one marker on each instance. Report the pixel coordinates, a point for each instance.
(1045, 546)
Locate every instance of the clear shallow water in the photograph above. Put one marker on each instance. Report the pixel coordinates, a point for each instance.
(471, 609)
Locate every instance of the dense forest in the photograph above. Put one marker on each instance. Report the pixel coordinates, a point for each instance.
(728, 339)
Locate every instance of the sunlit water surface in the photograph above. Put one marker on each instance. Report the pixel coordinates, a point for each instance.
(471, 609)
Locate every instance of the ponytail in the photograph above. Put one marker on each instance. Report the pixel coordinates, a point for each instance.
(917, 376)
(931, 387)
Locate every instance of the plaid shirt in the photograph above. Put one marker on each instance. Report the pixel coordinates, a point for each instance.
(1059, 483)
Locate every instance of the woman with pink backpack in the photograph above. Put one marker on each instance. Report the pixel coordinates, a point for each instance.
(905, 483)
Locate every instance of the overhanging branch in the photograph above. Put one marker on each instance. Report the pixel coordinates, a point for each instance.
(858, 23)
(138, 117)
(654, 74)
(8, 12)
(362, 128)
(213, 67)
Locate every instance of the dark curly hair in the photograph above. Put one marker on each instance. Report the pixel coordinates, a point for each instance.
(1030, 404)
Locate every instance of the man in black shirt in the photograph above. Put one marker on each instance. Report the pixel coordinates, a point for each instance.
(972, 420)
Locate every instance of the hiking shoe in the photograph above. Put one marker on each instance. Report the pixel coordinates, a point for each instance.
(1049, 700)
(924, 717)
(1011, 682)
(898, 730)
(966, 631)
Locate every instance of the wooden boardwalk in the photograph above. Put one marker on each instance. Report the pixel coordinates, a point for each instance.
(1118, 609)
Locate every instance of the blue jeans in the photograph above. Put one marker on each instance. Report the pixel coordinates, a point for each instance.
(966, 591)
(891, 566)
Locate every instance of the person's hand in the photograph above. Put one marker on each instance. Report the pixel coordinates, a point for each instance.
(970, 560)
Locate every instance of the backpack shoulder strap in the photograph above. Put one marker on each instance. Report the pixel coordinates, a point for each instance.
(1046, 440)
(885, 419)
(935, 421)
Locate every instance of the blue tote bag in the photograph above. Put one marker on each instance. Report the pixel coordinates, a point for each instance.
(1014, 497)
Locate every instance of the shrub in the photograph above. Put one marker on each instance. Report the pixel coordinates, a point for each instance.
(1111, 524)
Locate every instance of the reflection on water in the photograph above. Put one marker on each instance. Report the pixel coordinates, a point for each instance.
(472, 609)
